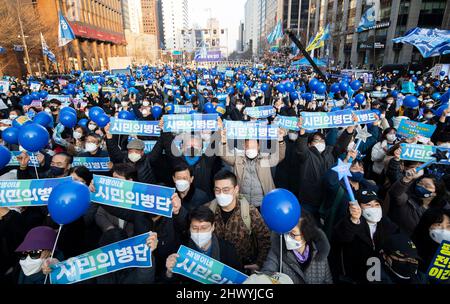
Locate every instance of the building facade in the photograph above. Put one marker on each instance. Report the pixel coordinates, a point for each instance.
(175, 18)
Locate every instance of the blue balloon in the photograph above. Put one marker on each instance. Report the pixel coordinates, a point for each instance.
(359, 98)
(11, 135)
(125, 115)
(343, 86)
(308, 97)
(102, 120)
(220, 84)
(264, 87)
(44, 119)
(48, 82)
(411, 101)
(68, 119)
(26, 100)
(280, 210)
(5, 157)
(334, 88)
(83, 123)
(33, 137)
(394, 93)
(281, 88)
(35, 96)
(68, 202)
(420, 88)
(294, 95)
(209, 108)
(321, 88)
(230, 91)
(94, 112)
(436, 96)
(414, 78)
(355, 85)
(68, 110)
(43, 94)
(442, 73)
(436, 83)
(289, 87)
(313, 83)
(441, 109)
(156, 112)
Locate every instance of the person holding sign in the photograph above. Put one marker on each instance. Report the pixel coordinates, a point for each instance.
(411, 196)
(359, 237)
(433, 228)
(134, 155)
(202, 238)
(305, 253)
(315, 158)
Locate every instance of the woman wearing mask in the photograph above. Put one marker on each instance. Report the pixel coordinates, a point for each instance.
(79, 134)
(92, 126)
(433, 228)
(305, 253)
(411, 196)
(35, 248)
(388, 138)
(359, 237)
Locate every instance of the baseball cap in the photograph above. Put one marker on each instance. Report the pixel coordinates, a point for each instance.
(136, 144)
(366, 196)
(400, 245)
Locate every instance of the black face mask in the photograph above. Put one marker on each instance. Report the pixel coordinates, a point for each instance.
(57, 171)
(404, 269)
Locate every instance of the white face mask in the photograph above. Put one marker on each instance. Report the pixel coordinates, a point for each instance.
(251, 153)
(253, 98)
(124, 104)
(182, 185)
(372, 215)
(47, 110)
(31, 266)
(12, 117)
(293, 136)
(201, 238)
(439, 235)
(391, 137)
(92, 127)
(292, 244)
(224, 200)
(77, 135)
(239, 107)
(145, 112)
(134, 157)
(146, 103)
(22, 149)
(321, 147)
(445, 145)
(91, 147)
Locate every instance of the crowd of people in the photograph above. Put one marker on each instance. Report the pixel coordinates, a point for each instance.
(400, 216)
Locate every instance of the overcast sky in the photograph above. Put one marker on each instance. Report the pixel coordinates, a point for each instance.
(228, 12)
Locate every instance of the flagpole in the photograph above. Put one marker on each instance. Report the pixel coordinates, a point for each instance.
(30, 72)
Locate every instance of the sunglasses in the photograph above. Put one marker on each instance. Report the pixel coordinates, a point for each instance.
(35, 254)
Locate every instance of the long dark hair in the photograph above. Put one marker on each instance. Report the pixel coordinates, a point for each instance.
(426, 247)
(308, 227)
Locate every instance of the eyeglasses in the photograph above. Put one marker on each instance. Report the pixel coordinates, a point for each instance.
(34, 254)
(318, 141)
(226, 190)
(293, 235)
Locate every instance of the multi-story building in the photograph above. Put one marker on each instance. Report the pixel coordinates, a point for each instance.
(97, 25)
(175, 18)
(252, 25)
(374, 47)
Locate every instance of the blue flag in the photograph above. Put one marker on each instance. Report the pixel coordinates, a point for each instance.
(46, 51)
(429, 42)
(367, 19)
(65, 33)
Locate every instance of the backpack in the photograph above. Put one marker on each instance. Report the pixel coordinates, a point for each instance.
(245, 211)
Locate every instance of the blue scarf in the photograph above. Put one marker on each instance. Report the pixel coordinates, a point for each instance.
(192, 160)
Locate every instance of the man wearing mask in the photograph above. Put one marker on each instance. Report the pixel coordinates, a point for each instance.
(59, 166)
(92, 147)
(239, 222)
(253, 170)
(400, 262)
(204, 239)
(191, 197)
(359, 237)
(134, 155)
(315, 158)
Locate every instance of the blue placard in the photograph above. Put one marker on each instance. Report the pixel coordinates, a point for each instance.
(149, 145)
(95, 164)
(250, 130)
(344, 118)
(133, 195)
(422, 153)
(190, 122)
(229, 73)
(182, 109)
(28, 192)
(134, 127)
(260, 112)
(33, 162)
(222, 97)
(287, 122)
(409, 128)
(439, 268)
(378, 94)
(204, 269)
(132, 252)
